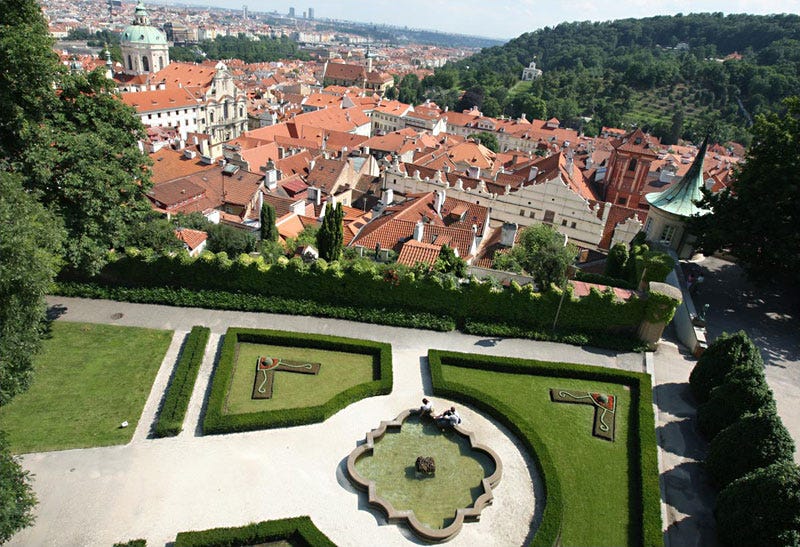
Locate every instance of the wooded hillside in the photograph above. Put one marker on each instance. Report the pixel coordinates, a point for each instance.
(675, 75)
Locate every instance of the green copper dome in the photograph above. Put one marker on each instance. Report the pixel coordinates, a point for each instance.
(140, 32)
(679, 199)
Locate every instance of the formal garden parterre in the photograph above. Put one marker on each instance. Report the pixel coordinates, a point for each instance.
(350, 370)
(597, 492)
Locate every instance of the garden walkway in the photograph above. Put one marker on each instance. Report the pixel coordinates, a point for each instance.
(153, 488)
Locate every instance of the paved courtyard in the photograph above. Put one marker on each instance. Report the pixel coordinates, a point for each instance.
(153, 488)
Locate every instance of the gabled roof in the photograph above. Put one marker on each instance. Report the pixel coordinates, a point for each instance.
(680, 198)
(192, 238)
(345, 72)
(160, 99)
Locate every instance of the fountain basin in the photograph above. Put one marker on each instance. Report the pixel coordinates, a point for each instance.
(466, 473)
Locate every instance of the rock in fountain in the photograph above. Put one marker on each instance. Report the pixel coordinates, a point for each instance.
(425, 464)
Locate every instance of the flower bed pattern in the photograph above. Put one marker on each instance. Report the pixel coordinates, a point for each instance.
(604, 425)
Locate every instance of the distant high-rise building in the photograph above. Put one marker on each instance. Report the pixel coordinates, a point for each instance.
(291, 12)
(244, 12)
(305, 15)
(310, 13)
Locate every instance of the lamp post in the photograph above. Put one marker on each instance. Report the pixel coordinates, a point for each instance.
(570, 274)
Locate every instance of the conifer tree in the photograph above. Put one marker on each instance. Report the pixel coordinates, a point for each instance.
(269, 232)
(330, 236)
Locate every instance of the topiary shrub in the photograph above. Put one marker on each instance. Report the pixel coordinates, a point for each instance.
(726, 353)
(752, 441)
(761, 508)
(744, 391)
(617, 261)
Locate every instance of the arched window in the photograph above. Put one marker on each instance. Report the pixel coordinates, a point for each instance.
(145, 64)
(211, 117)
(130, 63)
(632, 165)
(160, 62)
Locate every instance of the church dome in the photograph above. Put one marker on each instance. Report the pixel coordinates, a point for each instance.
(140, 32)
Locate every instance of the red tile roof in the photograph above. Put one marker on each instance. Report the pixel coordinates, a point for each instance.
(414, 252)
(192, 238)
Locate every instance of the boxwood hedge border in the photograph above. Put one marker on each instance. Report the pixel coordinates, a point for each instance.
(216, 421)
(173, 411)
(298, 531)
(645, 498)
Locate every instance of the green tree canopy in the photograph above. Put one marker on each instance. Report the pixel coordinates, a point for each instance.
(449, 262)
(17, 499)
(29, 260)
(543, 254)
(761, 508)
(757, 218)
(227, 239)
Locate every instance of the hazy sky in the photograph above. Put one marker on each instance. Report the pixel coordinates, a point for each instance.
(502, 19)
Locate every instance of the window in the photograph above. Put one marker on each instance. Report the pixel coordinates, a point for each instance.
(549, 216)
(632, 165)
(648, 225)
(522, 212)
(531, 214)
(145, 64)
(622, 201)
(130, 63)
(211, 116)
(564, 222)
(225, 111)
(667, 234)
(160, 63)
(574, 225)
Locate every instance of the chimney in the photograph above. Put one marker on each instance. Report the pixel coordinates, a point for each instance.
(419, 230)
(271, 176)
(387, 196)
(311, 165)
(507, 234)
(439, 201)
(534, 172)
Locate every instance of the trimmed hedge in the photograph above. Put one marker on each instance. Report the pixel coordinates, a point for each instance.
(761, 508)
(299, 531)
(645, 492)
(222, 300)
(753, 441)
(618, 342)
(601, 279)
(361, 285)
(217, 422)
(726, 353)
(173, 411)
(132, 543)
(744, 391)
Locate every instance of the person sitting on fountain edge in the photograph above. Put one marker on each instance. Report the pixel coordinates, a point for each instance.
(448, 418)
(426, 410)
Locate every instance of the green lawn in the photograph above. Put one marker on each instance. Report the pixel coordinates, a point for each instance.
(89, 379)
(593, 471)
(339, 372)
(597, 492)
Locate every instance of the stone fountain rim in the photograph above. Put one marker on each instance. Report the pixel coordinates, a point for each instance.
(395, 515)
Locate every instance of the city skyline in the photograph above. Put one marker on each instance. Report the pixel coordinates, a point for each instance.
(501, 20)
